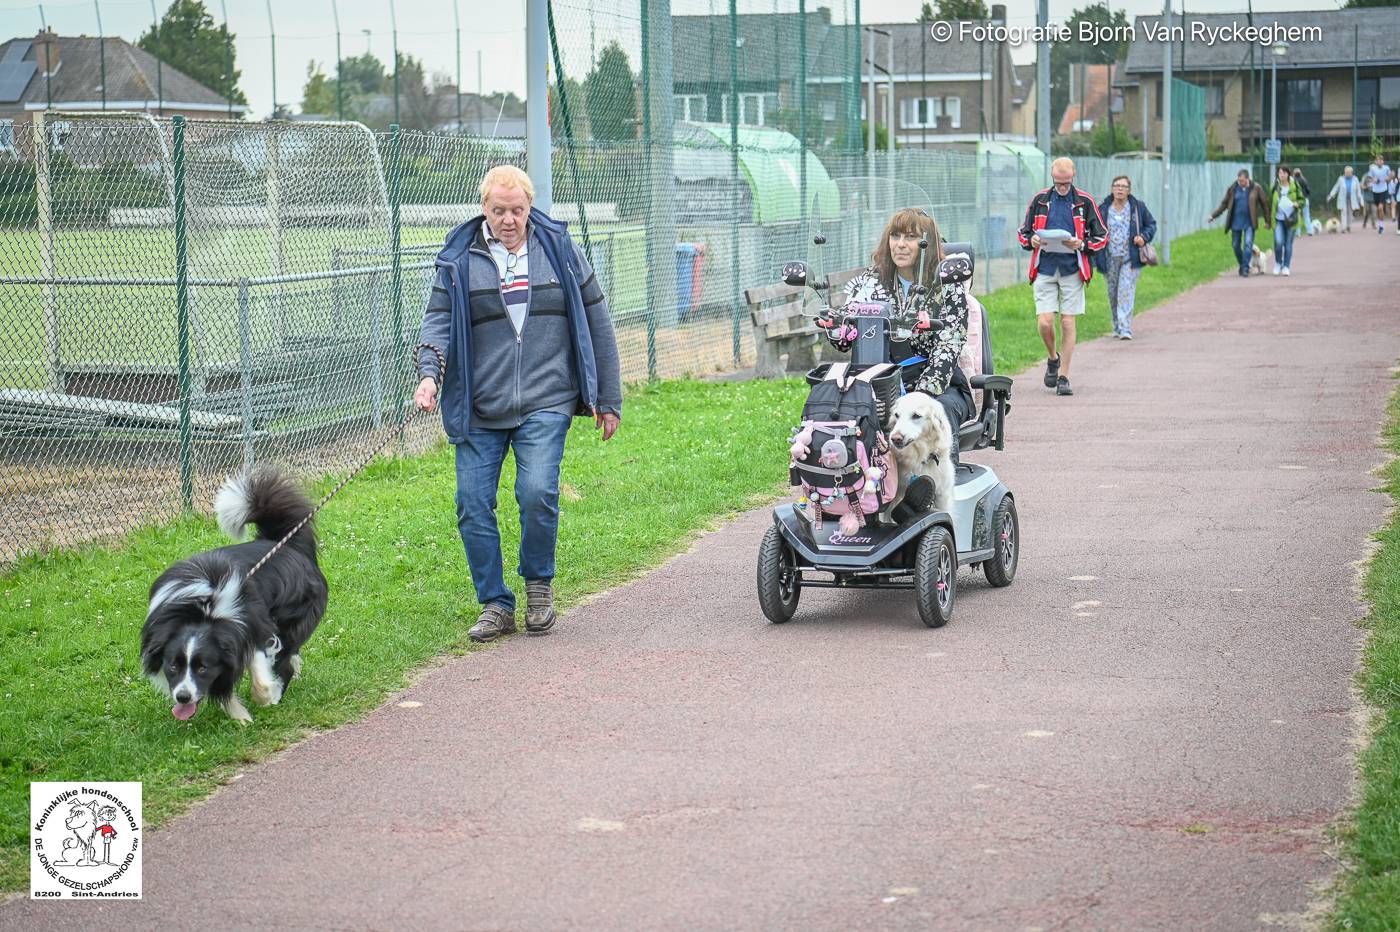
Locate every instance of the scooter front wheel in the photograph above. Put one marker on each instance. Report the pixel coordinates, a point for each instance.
(936, 576)
(779, 582)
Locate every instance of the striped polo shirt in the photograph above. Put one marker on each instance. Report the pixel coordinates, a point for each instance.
(514, 271)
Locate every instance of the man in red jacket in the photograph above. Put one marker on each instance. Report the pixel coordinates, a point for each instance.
(1057, 277)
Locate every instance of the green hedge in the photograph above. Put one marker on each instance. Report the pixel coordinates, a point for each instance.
(79, 195)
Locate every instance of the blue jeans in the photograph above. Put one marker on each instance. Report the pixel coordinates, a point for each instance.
(539, 449)
(1283, 243)
(1243, 241)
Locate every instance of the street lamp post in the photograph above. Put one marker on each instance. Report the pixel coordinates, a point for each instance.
(1280, 50)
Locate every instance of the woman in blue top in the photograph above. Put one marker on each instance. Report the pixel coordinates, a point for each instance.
(1130, 226)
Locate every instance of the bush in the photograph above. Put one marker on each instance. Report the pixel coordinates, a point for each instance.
(78, 195)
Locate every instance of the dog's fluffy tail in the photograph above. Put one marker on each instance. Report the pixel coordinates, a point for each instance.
(266, 497)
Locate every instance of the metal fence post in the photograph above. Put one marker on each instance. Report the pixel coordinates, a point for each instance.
(43, 196)
(396, 276)
(182, 317)
(650, 310)
(245, 368)
(734, 291)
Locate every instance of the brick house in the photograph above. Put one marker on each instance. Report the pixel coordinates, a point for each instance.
(1316, 104)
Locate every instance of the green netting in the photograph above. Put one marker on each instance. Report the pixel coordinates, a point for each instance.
(1188, 122)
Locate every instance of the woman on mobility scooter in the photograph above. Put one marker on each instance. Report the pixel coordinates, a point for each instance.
(839, 457)
(930, 357)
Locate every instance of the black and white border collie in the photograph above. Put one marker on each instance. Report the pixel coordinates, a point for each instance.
(208, 623)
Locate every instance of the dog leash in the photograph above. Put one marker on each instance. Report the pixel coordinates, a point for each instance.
(409, 415)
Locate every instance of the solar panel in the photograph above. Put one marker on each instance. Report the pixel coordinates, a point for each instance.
(15, 72)
(14, 78)
(16, 52)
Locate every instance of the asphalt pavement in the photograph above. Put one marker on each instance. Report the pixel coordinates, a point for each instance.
(1152, 728)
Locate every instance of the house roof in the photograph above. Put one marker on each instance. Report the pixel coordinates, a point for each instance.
(76, 82)
(768, 44)
(1370, 36)
(1095, 106)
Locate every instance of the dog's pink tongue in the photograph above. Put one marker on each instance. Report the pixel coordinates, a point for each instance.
(184, 711)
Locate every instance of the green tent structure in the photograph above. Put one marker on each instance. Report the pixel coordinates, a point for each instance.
(770, 163)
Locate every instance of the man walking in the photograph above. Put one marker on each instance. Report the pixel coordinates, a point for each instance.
(1245, 202)
(1058, 277)
(529, 344)
(1378, 179)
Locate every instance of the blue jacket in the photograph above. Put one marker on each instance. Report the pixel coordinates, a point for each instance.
(1137, 211)
(562, 254)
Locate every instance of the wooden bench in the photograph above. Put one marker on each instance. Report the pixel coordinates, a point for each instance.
(780, 329)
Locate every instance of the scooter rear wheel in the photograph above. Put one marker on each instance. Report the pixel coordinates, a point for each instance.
(936, 576)
(1001, 568)
(779, 582)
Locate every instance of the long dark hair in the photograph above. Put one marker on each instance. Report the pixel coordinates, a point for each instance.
(918, 222)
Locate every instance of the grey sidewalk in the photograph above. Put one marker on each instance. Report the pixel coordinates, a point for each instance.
(1176, 653)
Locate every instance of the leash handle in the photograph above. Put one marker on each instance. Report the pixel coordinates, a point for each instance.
(409, 413)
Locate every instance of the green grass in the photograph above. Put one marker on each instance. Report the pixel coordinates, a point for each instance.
(689, 453)
(76, 704)
(1370, 896)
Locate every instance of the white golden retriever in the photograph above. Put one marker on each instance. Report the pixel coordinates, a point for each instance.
(923, 446)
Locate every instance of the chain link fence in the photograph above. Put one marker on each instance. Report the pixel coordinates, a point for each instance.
(182, 297)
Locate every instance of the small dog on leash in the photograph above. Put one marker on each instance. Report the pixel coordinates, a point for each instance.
(208, 622)
(1315, 228)
(922, 440)
(1260, 262)
(1333, 225)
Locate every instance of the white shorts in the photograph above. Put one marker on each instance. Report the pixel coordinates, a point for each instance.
(1059, 294)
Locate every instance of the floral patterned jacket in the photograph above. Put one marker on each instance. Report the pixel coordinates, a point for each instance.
(941, 344)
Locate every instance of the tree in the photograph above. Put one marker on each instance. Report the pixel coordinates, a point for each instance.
(362, 74)
(187, 39)
(318, 94)
(949, 10)
(610, 90)
(1083, 53)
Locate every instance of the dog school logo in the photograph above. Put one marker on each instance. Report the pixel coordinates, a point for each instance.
(85, 841)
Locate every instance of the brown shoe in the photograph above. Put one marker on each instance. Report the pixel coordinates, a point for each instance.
(539, 606)
(493, 622)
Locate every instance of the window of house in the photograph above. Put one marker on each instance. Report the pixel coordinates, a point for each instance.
(1378, 98)
(1300, 103)
(828, 110)
(952, 109)
(1215, 98)
(692, 107)
(754, 109)
(920, 112)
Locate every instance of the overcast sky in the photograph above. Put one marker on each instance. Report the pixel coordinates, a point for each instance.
(493, 31)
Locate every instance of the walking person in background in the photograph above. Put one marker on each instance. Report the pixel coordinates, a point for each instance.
(1284, 202)
(1130, 227)
(1301, 183)
(1392, 205)
(1346, 194)
(1058, 278)
(1244, 205)
(1378, 180)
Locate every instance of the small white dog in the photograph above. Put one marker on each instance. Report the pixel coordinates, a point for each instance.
(923, 446)
(1261, 262)
(1315, 228)
(1333, 225)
